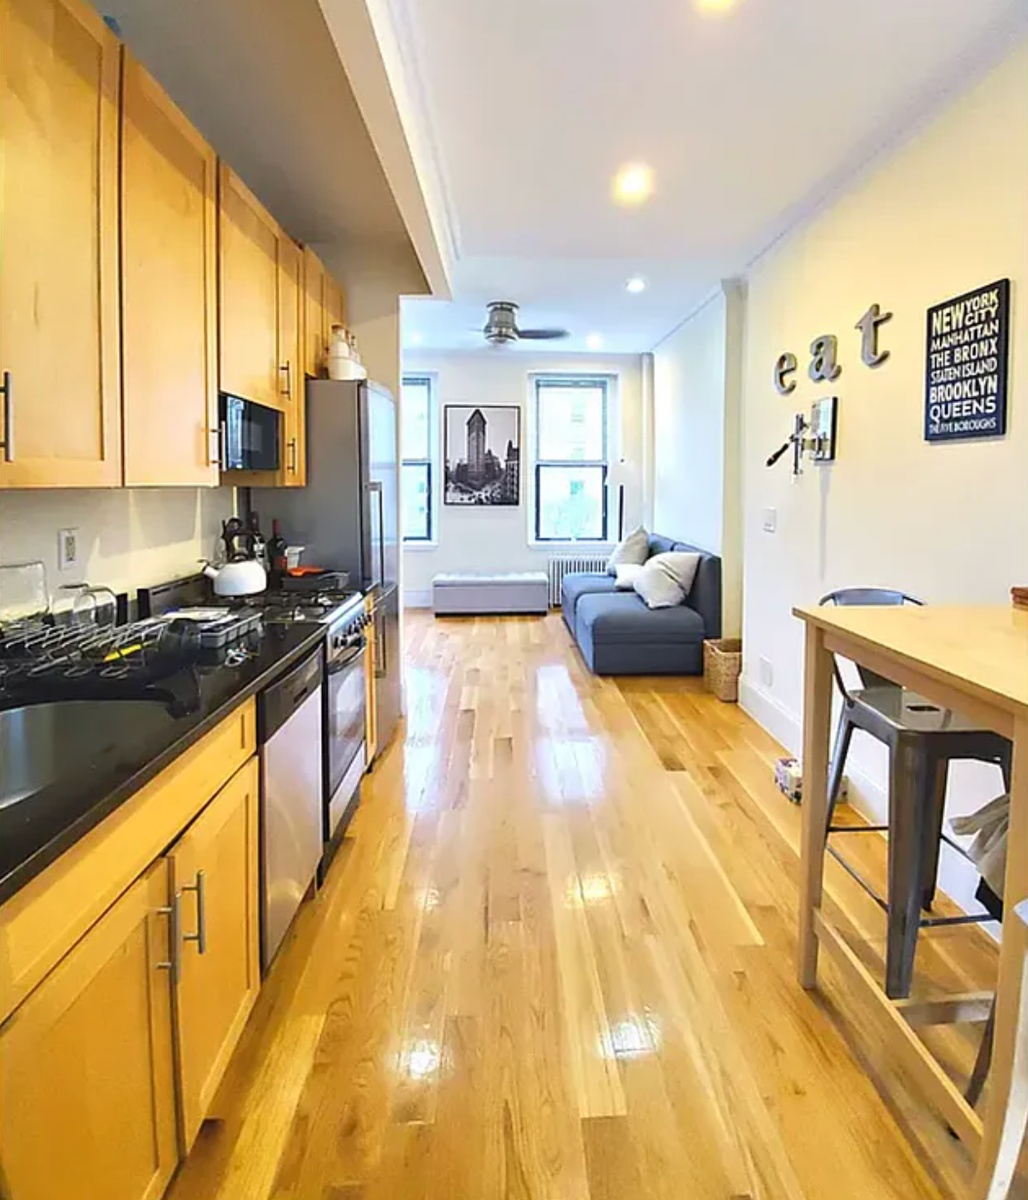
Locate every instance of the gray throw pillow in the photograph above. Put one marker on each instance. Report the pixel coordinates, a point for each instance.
(666, 579)
(631, 550)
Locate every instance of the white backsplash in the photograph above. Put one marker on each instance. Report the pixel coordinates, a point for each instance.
(127, 537)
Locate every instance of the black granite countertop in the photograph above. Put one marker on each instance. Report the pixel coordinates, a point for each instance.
(86, 757)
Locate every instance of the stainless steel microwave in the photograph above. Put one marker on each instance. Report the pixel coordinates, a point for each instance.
(249, 434)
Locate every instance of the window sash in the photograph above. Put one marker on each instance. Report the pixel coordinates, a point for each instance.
(568, 383)
(576, 465)
(423, 463)
(422, 384)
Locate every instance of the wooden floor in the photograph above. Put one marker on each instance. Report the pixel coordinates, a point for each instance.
(555, 959)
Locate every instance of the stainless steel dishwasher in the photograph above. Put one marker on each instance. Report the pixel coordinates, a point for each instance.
(289, 715)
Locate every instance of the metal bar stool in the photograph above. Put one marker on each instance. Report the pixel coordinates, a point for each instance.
(922, 739)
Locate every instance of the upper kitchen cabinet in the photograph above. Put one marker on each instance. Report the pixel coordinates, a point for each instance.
(315, 343)
(291, 301)
(248, 310)
(169, 290)
(324, 306)
(59, 68)
(335, 306)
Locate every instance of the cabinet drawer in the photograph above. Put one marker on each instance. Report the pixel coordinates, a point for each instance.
(41, 923)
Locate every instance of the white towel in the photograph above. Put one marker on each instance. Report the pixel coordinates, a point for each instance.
(988, 851)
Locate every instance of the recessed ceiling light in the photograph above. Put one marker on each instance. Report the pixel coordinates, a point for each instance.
(633, 184)
(714, 8)
(636, 284)
(594, 341)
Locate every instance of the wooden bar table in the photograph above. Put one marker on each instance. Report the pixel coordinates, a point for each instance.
(974, 661)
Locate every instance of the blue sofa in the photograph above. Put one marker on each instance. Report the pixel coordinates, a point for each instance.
(618, 635)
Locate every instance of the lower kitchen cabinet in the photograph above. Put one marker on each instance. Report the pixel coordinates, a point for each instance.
(214, 873)
(86, 1063)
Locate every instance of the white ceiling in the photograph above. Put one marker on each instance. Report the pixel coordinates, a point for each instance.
(749, 120)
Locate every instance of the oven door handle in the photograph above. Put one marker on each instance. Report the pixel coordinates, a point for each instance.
(347, 659)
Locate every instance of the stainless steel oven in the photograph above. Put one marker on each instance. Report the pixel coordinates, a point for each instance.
(345, 760)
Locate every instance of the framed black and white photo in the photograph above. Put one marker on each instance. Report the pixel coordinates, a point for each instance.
(482, 449)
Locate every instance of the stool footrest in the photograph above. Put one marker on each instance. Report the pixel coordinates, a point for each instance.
(883, 904)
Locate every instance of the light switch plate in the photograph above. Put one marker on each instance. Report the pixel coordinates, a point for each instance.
(67, 548)
(770, 520)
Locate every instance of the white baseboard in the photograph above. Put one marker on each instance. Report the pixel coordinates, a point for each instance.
(417, 598)
(771, 715)
(865, 794)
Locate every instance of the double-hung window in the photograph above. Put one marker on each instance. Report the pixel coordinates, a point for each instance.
(416, 447)
(571, 457)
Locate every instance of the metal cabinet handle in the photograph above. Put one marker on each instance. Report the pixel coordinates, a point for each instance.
(173, 912)
(292, 466)
(217, 459)
(8, 442)
(200, 937)
(287, 368)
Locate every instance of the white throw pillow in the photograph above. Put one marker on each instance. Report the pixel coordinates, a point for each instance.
(633, 549)
(666, 579)
(627, 574)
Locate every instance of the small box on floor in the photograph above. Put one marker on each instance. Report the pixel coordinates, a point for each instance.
(789, 777)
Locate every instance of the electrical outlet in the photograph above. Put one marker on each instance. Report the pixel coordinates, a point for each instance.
(770, 520)
(767, 673)
(67, 548)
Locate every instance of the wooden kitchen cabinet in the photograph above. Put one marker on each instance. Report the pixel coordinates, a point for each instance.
(214, 874)
(335, 306)
(86, 1075)
(291, 300)
(59, 336)
(169, 290)
(315, 339)
(249, 240)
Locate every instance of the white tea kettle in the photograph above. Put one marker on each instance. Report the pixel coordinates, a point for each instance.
(243, 577)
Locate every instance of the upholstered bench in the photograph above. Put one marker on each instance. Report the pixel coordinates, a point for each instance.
(461, 594)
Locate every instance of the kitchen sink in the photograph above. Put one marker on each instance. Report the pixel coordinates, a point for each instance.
(45, 744)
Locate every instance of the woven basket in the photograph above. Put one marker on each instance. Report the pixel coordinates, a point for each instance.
(722, 662)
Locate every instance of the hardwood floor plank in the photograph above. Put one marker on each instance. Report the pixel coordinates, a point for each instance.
(554, 958)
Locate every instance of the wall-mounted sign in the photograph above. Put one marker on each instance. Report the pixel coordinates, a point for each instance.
(824, 353)
(966, 358)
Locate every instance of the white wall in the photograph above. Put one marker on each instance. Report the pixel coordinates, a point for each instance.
(946, 522)
(127, 537)
(696, 409)
(498, 538)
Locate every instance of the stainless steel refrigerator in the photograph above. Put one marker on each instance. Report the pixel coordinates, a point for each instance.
(348, 516)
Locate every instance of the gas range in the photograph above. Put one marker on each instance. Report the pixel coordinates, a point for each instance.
(329, 607)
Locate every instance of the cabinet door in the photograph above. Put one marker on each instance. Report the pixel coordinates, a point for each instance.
(88, 1101)
(248, 309)
(290, 321)
(214, 871)
(335, 307)
(315, 340)
(59, 233)
(168, 212)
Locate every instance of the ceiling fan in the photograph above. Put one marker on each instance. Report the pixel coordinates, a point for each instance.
(501, 326)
